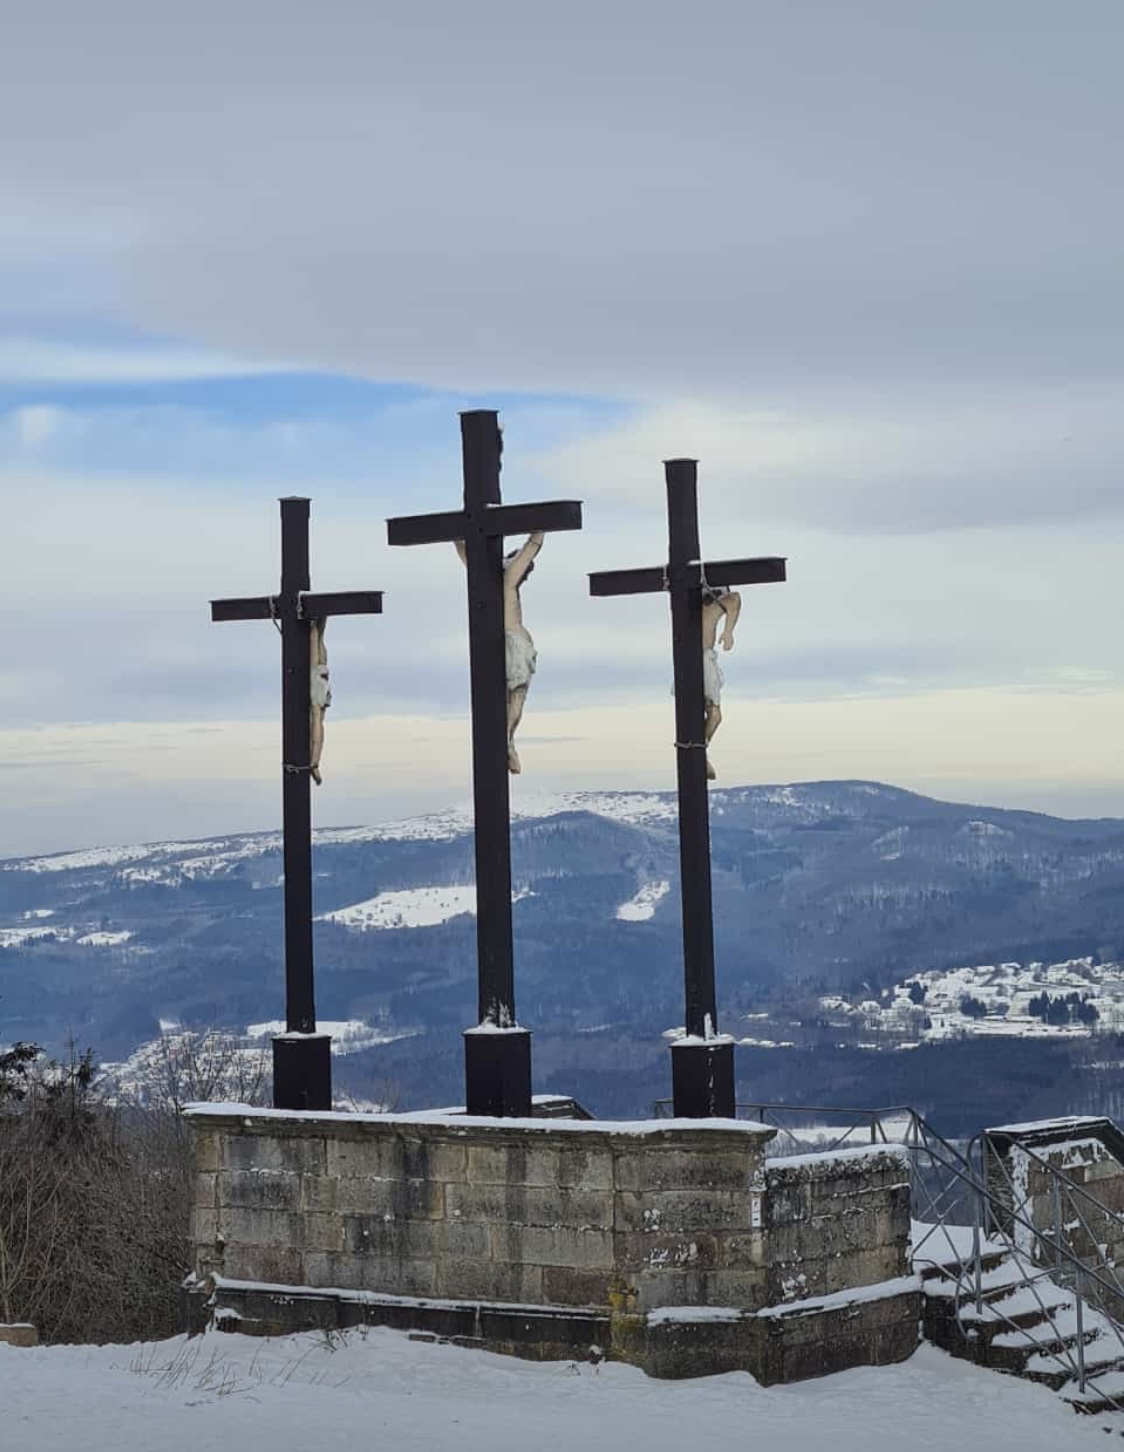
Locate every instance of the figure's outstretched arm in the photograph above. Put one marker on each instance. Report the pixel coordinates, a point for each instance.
(462, 551)
(524, 559)
(731, 610)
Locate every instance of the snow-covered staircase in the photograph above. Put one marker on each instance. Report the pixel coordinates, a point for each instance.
(1020, 1321)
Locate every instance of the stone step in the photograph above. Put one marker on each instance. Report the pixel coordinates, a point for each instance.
(997, 1280)
(1023, 1311)
(1012, 1350)
(1104, 1390)
(932, 1267)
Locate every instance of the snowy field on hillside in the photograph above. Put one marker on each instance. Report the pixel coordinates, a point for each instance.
(379, 1389)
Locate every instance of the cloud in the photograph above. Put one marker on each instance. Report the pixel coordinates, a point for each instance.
(28, 359)
(614, 199)
(864, 266)
(869, 463)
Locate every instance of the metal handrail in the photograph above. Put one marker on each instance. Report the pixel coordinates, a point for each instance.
(968, 1175)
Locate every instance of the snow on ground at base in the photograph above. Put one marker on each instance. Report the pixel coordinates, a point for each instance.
(379, 1390)
(640, 908)
(104, 939)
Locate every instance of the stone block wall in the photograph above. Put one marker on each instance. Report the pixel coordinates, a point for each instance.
(836, 1222)
(1088, 1154)
(675, 1245)
(534, 1212)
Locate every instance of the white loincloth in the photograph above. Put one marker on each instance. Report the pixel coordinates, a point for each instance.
(520, 657)
(320, 692)
(713, 679)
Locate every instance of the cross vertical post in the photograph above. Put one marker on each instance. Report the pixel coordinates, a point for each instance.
(702, 1061)
(497, 1051)
(302, 1057)
(690, 754)
(491, 793)
(296, 794)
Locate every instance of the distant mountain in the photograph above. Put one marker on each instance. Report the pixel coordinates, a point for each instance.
(830, 885)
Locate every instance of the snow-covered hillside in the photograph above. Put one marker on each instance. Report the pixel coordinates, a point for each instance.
(830, 884)
(175, 862)
(381, 1390)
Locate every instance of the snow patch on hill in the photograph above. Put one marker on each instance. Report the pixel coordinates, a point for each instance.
(82, 937)
(349, 1036)
(631, 808)
(640, 908)
(414, 907)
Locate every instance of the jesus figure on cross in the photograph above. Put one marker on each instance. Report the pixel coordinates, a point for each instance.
(720, 607)
(520, 656)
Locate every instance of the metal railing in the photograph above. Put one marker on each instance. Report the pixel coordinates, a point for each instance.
(973, 1218)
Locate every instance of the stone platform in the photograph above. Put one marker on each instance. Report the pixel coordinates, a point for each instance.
(676, 1245)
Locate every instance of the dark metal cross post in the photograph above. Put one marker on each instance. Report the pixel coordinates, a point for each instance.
(497, 1053)
(702, 1063)
(302, 1063)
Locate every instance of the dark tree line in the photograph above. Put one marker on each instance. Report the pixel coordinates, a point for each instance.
(1066, 1008)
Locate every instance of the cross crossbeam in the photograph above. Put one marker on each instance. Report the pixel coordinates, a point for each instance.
(703, 1062)
(497, 1052)
(655, 579)
(309, 606)
(302, 1066)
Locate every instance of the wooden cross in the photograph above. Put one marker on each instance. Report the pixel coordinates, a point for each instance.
(702, 1063)
(302, 1064)
(497, 1051)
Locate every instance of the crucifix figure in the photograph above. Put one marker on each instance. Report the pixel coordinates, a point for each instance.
(501, 663)
(520, 655)
(302, 1063)
(721, 607)
(702, 1062)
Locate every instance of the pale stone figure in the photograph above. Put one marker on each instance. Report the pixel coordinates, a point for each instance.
(519, 649)
(721, 607)
(320, 695)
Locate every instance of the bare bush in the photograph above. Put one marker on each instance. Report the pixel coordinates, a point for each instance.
(94, 1206)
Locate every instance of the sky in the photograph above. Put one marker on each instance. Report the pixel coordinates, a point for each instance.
(862, 261)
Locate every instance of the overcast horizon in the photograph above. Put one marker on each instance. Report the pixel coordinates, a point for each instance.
(862, 261)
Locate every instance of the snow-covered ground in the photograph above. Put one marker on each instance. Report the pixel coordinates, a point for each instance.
(381, 1390)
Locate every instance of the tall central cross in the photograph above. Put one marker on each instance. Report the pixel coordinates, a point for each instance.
(302, 1058)
(497, 1053)
(702, 1062)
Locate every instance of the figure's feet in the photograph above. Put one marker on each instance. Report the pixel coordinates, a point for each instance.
(711, 774)
(514, 765)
